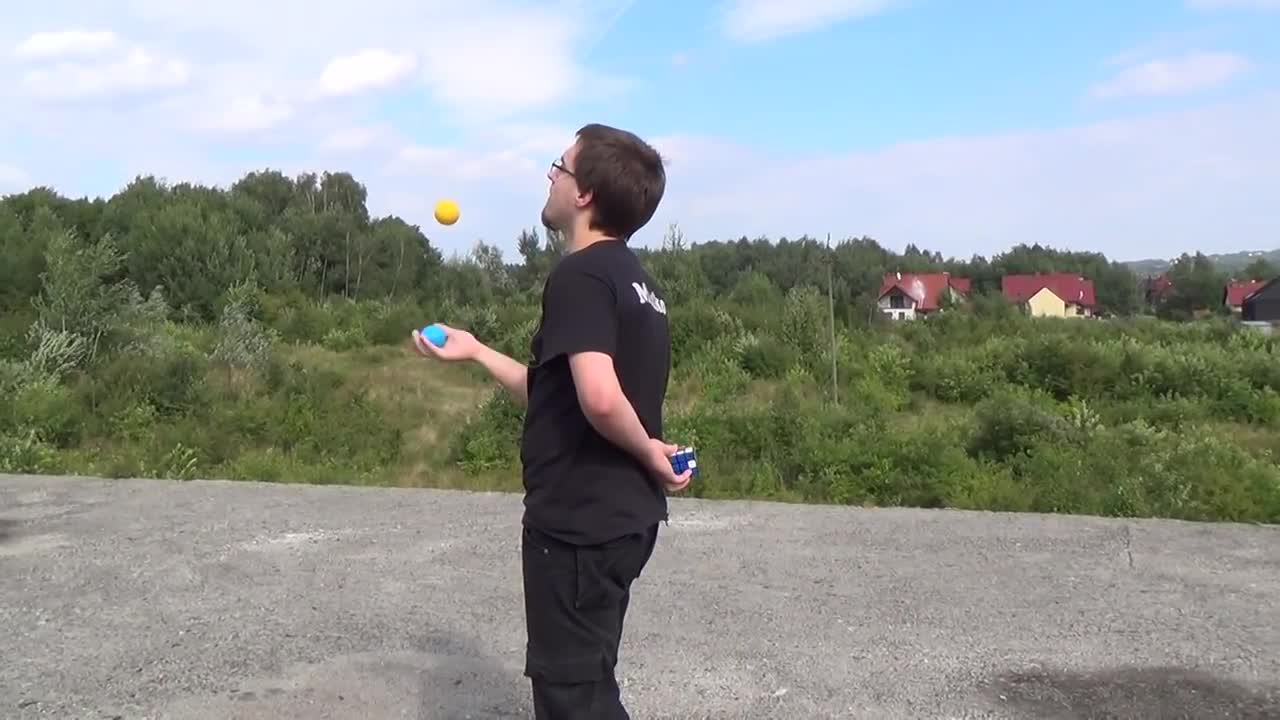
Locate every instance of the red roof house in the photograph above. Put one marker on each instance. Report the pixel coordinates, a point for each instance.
(904, 295)
(1237, 291)
(1157, 288)
(1073, 292)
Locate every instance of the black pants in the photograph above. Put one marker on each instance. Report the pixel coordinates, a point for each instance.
(575, 600)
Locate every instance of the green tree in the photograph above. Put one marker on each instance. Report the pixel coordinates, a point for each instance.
(1260, 269)
(1197, 287)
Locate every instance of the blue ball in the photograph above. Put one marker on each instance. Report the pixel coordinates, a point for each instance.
(434, 335)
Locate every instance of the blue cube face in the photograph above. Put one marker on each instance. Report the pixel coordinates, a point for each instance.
(685, 460)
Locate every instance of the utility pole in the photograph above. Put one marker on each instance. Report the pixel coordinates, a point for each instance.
(831, 306)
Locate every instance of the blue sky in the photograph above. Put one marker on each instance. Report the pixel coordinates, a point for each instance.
(1140, 128)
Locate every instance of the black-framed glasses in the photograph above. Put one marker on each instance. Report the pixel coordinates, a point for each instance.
(559, 166)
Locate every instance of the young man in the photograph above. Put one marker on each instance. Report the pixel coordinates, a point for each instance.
(596, 469)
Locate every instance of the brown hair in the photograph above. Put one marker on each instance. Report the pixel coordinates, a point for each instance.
(625, 176)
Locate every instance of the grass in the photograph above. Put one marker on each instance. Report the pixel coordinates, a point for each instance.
(1016, 417)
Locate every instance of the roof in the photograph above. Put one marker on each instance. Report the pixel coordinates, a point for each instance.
(1238, 290)
(925, 288)
(1158, 285)
(1067, 286)
(1261, 292)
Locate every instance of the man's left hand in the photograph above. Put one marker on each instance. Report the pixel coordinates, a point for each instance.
(659, 462)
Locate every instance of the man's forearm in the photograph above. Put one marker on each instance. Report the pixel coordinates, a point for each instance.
(617, 421)
(509, 373)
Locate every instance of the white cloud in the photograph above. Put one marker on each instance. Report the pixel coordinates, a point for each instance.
(136, 72)
(353, 139)
(63, 44)
(496, 68)
(247, 113)
(543, 141)
(371, 69)
(1234, 4)
(483, 60)
(759, 20)
(1141, 186)
(462, 164)
(1136, 187)
(1192, 72)
(188, 90)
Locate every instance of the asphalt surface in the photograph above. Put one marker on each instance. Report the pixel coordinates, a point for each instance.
(218, 600)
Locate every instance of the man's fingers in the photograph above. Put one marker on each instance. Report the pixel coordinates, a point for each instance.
(681, 481)
(423, 347)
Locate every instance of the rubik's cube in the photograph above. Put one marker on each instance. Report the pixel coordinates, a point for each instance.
(685, 459)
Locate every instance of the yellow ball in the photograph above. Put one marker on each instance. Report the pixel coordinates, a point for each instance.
(447, 212)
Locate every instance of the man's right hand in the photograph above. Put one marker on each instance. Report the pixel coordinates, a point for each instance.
(459, 345)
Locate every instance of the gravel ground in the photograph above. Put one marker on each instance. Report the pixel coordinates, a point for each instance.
(215, 600)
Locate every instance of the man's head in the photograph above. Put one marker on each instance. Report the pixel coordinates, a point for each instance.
(609, 181)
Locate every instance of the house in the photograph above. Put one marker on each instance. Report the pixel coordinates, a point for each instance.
(903, 296)
(1155, 288)
(1051, 294)
(1236, 291)
(1263, 304)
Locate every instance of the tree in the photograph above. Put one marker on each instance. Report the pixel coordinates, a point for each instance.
(1260, 269)
(1197, 287)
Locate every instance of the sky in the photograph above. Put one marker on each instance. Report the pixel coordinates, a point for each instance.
(1139, 129)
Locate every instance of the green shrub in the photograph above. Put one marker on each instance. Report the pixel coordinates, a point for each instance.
(490, 441)
(28, 453)
(982, 409)
(1014, 421)
(47, 409)
(1137, 470)
(172, 383)
(340, 339)
(14, 343)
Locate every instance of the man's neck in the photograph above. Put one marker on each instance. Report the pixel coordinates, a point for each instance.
(582, 239)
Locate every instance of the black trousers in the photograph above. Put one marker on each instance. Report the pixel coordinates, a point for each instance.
(575, 599)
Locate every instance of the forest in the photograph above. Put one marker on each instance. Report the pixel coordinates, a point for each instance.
(261, 332)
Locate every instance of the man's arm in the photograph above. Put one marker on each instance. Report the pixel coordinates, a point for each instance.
(604, 404)
(580, 321)
(510, 373)
(462, 345)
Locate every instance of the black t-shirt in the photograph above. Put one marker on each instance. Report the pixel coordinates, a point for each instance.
(579, 486)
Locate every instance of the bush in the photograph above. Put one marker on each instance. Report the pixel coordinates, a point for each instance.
(490, 441)
(980, 407)
(46, 409)
(172, 383)
(1013, 422)
(1137, 470)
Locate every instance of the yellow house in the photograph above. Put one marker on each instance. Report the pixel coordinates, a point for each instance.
(1051, 295)
(1045, 304)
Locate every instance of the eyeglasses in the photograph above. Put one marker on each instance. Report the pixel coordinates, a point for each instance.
(557, 166)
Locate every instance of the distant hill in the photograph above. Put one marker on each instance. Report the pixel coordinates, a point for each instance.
(1228, 262)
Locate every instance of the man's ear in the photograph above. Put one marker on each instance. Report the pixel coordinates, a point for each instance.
(584, 199)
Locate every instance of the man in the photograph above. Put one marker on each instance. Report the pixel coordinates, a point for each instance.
(596, 470)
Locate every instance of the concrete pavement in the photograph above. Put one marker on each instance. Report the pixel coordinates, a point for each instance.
(217, 600)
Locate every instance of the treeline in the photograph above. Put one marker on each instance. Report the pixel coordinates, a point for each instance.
(259, 332)
(312, 237)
